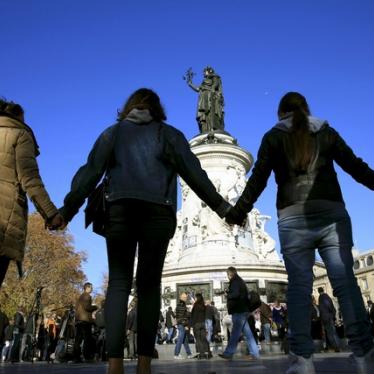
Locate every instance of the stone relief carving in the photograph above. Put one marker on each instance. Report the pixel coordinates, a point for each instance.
(264, 244)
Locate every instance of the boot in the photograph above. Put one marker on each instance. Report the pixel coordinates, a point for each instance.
(144, 365)
(116, 366)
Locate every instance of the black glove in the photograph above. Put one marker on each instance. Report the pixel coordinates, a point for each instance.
(235, 217)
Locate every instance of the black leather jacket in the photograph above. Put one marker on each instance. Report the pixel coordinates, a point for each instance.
(319, 183)
(142, 164)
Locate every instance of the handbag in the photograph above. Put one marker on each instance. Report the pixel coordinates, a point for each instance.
(254, 301)
(95, 208)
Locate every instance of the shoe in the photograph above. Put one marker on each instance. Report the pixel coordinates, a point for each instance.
(178, 357)
(250, 358)
(75, 362)
(300, 365)
(190, 356)
(225, 357)
(364, 364)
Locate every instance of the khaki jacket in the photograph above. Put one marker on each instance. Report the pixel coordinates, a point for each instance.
(84, 308)
(19, 175)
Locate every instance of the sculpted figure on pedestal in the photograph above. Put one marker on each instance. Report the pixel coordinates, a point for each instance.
(210, 114)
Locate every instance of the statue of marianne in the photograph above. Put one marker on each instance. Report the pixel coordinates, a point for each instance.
(210, 113)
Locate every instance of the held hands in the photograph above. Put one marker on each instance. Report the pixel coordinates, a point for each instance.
(235, 217)
(57, 222)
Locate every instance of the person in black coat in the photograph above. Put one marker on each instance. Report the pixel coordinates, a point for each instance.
(170, 324)
(183, 325)
(371, 315)
(198, 317)
(4, 322)
(328, 316)
(316, 325)
(132, 329)
(8, 340)
(141, 157)
(238, 307)
(301, 151)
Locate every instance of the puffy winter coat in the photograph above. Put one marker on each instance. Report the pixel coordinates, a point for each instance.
(19, 175)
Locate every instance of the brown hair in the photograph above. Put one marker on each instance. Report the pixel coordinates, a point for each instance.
(10, 108)
(144, 98)
(301, 145)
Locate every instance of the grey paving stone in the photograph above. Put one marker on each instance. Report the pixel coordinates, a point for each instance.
(325, 364)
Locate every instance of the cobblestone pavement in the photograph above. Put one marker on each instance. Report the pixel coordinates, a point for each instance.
(336, 363)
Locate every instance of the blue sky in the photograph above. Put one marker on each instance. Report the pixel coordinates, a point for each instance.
(71, 64)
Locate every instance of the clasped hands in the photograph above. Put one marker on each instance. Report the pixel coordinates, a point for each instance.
(57, 222)
(235, 217)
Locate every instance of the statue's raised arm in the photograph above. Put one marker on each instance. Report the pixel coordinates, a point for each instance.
(210, 113)
(188, 78)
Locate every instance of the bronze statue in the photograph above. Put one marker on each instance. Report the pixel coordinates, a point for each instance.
(210, 112)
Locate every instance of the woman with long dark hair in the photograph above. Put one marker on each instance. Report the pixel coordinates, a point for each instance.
(301, 151)
(198, 317)
(19, 178)
(141, 197)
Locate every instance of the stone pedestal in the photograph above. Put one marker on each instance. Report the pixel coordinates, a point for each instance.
(204, 245)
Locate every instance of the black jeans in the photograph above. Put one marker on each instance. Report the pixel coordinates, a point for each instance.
(147, 227)
(83, 333)
(202, 345)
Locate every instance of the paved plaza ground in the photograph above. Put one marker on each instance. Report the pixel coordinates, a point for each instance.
(337, 363)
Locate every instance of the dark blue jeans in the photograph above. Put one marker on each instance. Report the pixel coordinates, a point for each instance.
(331, 233)
(240, 326)
(182, 340)
(135, 226)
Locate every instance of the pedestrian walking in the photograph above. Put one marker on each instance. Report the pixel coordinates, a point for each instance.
(183, 325)
(209, 321)
(279, 318)
(170, 324)
(132, 328)
(198, 322)
(83, 325)
(237, 305)
(266, 318)
(328, 317)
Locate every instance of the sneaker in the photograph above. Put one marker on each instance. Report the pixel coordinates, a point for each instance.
(225, 357)
(365, 364)
(190, 356)
(178, 357)
(300, 365)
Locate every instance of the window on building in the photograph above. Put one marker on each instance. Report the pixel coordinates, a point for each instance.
(369, 261)
(356, 265)
(364, 283)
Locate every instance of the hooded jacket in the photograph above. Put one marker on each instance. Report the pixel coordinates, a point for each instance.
(318, 183)
(19, 176)
(142, 163)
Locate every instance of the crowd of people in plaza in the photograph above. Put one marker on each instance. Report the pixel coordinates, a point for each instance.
(78, 335)
(140, 158)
